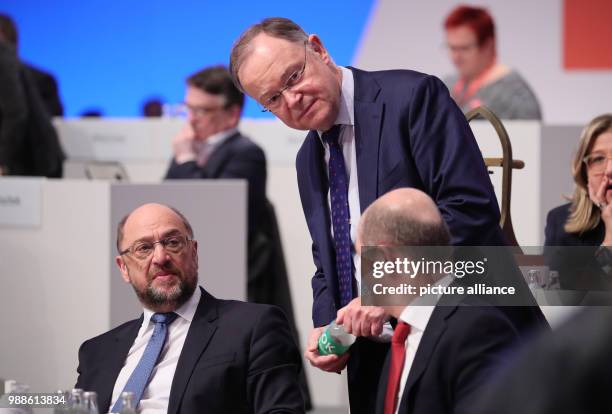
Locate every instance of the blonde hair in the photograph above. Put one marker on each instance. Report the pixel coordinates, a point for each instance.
(584, 216)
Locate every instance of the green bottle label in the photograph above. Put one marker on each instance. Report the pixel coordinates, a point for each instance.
(328, 346)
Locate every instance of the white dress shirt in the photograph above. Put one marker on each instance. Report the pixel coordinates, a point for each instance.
(157, 393)
(416, 315)
(346, 118)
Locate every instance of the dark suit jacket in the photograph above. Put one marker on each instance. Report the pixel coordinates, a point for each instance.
(555, 234)
(236, 157)
(47, 89)
(237, 358)
(461, 348)
(29, 144)
(566, 372)
(408, 133)
(573, 254)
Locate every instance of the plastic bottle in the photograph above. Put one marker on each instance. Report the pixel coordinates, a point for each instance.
(335, 340)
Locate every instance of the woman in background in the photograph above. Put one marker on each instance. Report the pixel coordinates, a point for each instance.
(587, 219)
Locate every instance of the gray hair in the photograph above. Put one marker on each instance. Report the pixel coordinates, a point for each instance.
(122, 222)
(279, 27)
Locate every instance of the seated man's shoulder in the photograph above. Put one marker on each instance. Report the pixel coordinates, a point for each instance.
(490, 323)
(108, 336)
(247, 145)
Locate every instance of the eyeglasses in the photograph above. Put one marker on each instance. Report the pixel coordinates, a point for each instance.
(273, 103)
(143, 249)
(596, 162)
(199, 111)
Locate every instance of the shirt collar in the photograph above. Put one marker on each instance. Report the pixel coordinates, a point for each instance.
(346, 111)
(419, 311)
(186, 311)
(220, 137)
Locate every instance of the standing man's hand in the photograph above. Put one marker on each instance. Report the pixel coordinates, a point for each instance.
(2, 170)
(183, 145)
(329, 363)
(362, 320)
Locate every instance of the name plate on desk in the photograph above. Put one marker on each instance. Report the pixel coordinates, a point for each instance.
(20, 202)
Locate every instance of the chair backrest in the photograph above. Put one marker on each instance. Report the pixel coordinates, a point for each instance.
(506, 163)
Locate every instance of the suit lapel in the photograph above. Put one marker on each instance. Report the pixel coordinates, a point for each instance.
(115, 361)
(200, 332)
(368, 121)
(219, 157)
(435, 327)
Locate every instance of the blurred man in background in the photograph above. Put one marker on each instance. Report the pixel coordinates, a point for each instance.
(480, 78)
(29, 145)
(44, 81)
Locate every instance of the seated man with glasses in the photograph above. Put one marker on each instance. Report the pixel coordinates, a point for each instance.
(189, 352)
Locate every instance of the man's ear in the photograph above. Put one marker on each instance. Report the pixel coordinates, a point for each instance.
(317, 46)
(195, 248)
(122, 268)
(234, 112)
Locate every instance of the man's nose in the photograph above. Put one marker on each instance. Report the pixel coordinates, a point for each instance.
(292, 97)
(160, 256)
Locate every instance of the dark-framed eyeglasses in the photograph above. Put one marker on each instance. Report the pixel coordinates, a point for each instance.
(198, 111)
(596, 162)
(273, 102)
(143, 249)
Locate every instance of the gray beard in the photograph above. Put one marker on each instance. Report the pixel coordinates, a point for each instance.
(153, 298)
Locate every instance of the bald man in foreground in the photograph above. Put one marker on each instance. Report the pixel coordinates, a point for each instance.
(443, 351)
(189, 352)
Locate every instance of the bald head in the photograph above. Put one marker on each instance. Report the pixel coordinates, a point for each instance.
(149, 216)
(403, 217)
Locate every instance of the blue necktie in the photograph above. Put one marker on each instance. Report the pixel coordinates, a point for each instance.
(140, 377)
(340, 214)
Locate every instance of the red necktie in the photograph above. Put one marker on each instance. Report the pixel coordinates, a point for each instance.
(398, 355)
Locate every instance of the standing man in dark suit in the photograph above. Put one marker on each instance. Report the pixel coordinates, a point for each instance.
(370, 132)
(189, 352)
(29, 145)
(45, 82)
(438, 363)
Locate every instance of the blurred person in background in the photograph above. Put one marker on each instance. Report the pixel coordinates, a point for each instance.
(44, 81)
(480, 78)
(29, 145)
(587, 219)
(210, 146)
(152, 108)
(566, 372)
